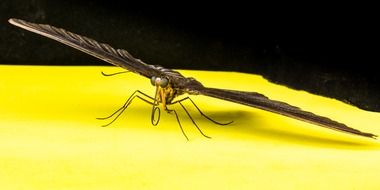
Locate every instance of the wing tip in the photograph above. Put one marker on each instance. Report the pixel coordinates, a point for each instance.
(12, 20)
(373, 136)
(18, 22)
(369, 135)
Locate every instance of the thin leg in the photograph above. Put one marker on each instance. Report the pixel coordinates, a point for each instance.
(112, 74)
(127, 102)
(123, 109)
(180, 126)
(125, 106)
(188, 98)
(188, 114)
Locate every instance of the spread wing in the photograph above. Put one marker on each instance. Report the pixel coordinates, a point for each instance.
(122, 58)
(260, 101)
(118, 57)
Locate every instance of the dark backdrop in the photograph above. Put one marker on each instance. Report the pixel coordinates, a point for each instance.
(324, 49)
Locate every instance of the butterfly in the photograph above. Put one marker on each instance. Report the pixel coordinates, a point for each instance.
(170, 84)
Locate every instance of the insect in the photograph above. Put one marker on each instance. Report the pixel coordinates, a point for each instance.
(171, 84)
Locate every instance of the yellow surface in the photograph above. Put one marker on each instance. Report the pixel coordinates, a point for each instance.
(50, 139)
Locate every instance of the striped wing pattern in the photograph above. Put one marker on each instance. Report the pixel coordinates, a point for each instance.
(260, 101)
(118, 57)
(122, 58)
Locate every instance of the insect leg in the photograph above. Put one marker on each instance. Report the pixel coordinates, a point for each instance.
(199, 110)
(188, 114)
(112, 74)
(180, 126)
(126, 104)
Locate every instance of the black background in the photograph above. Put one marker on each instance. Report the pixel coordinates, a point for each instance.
(322, 48)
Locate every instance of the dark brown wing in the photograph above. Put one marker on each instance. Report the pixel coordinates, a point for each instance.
(122, 58)
(260, 101)
(118, 57)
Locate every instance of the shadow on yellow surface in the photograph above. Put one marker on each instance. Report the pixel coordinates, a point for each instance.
(50, 139)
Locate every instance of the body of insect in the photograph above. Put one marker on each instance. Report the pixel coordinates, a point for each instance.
(165, 94)
(170, 84)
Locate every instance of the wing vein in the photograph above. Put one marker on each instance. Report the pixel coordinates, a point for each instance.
(260, 101)
(118, 57)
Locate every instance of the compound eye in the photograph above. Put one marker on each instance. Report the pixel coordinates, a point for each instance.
(153, 81)
(163, 82)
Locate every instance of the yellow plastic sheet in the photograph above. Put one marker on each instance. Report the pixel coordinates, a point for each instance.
(50, 137)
